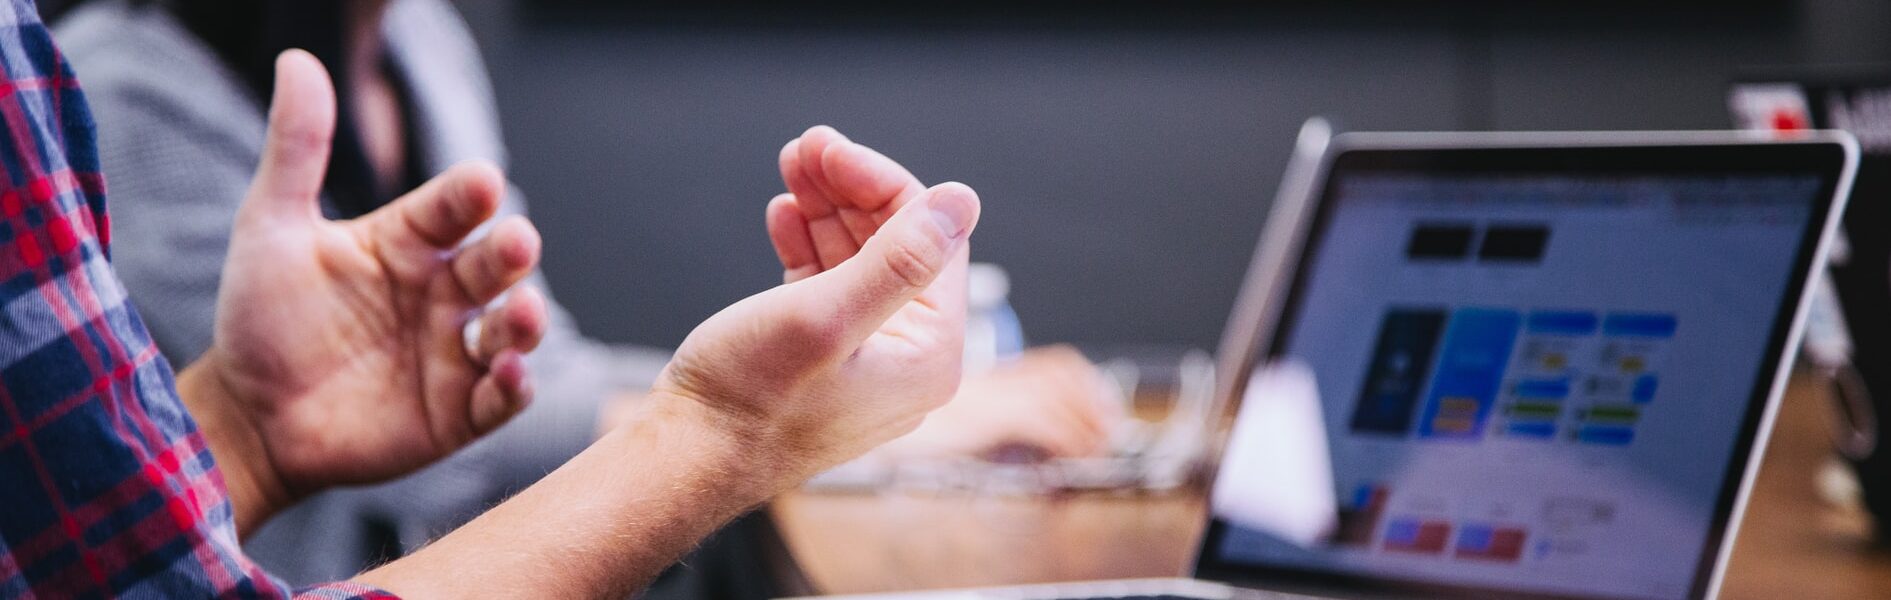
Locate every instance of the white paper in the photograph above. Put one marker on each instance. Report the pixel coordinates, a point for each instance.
(1277, 473)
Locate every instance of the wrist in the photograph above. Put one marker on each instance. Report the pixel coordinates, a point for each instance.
(607, 522)
(256, 490)
(756, 464)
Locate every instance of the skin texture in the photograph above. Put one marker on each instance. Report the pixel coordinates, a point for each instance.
(784, 384)
(1050, 399)
(338, 356)
(839, 193)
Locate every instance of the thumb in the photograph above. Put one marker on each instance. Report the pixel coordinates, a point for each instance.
(301, 127)
(902, 260)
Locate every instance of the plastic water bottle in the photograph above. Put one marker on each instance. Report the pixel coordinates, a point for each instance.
(992, 332)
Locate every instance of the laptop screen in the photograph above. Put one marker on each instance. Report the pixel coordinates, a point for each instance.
(1539, 375)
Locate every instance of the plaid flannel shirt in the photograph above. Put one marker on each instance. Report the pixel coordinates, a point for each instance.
(106, 486)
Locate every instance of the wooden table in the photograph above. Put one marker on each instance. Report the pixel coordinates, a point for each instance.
(1793, 544)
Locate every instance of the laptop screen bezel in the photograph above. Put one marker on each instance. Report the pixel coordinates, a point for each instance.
(1831, 159)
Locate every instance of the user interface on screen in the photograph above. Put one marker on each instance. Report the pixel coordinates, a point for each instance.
(1536, 383)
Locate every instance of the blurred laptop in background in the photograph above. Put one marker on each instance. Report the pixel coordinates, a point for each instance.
(1524, 366)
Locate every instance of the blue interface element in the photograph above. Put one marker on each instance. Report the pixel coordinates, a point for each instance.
(1645, 385)
(1470, 372)
(1562, 323)
(1545, 389)
(1639, 325)
(1402, 532)
(1532, 429)
(1606, 435)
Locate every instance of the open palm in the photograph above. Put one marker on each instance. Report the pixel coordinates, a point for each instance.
(341, 342)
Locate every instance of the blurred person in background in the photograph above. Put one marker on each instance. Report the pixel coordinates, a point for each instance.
(178, 90)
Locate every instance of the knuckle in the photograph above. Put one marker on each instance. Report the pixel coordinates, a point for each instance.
(490, 260)
(914, 267)
(448, 213)
(301, 140)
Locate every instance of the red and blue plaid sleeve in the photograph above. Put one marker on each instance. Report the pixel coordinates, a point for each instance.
(106, 486)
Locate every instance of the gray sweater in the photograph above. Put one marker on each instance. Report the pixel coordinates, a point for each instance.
(179, 136)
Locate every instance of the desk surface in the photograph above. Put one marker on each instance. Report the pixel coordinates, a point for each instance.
(1792, 544)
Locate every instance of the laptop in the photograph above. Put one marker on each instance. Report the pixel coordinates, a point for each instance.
(1545, 364)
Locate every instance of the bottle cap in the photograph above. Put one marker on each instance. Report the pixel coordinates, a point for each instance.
(988, 285)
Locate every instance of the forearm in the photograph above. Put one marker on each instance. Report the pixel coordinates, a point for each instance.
(606, 523)
(255, 491)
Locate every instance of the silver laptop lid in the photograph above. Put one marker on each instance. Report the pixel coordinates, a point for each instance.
(1545, 362)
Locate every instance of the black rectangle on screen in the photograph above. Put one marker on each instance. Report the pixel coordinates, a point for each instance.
(1437, 241)
(1514, 243)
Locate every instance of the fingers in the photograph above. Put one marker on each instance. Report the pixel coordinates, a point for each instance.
(446, 209)
(496, 262)
(867, 181)
(500, 394)
(295, 154)
(516, 326)
(1074, 383)
(1065, 391)
(1080, 418)
(903, 260)
(788, 230)
(506, 335)
(800, 161)
(1059, 437)
(801, 170)
(845, 190)
(1048, 423)
(868, 186)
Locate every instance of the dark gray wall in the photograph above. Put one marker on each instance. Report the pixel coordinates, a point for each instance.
(1125, 162)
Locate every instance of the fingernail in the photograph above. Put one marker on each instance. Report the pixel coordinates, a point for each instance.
(516, 375)
(527, 391)
(953, 208)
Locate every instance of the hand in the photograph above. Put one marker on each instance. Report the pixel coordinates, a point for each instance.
(840, 192)
(1051, 400)
(338, 356)
(862, 340)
